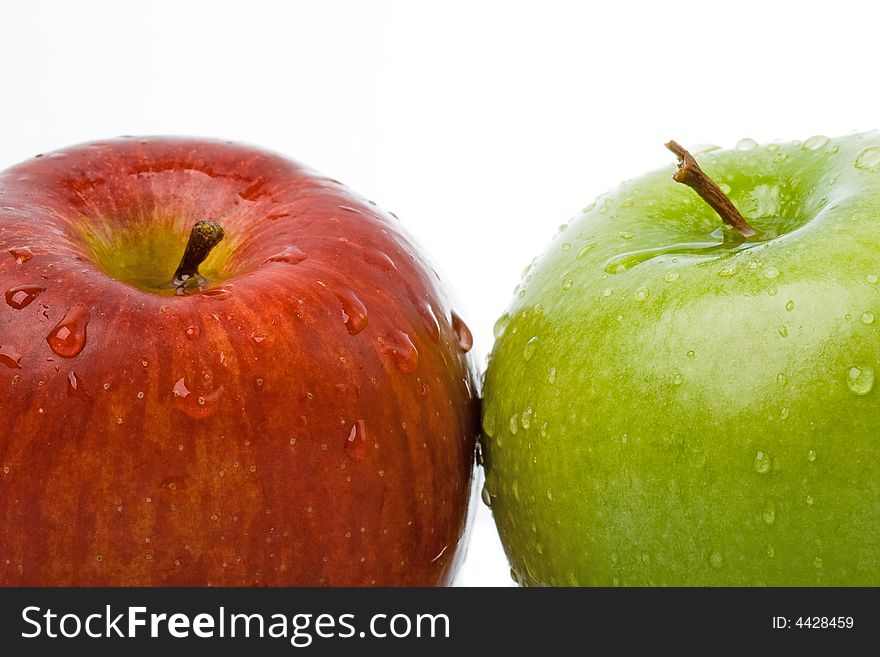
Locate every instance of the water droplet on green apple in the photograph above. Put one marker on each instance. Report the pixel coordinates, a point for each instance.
(566, 284)
(768, 513)
(671, 276)
(544, 430)
(782, 329)
(641, 294)
(789, 306)
(781, 379)
(871, 278)
(513, 424)
(771, 272)
(771, 551)
(832, 150)
(869, 159)
(566, 246)
(486, 497)
(867, 317)
(762, 463)
(729, 271)
(818, 563)
(860, 379)
(746, 144)
(500, 326)
(771, 148)
(585, 250)
(677, 378)
(691, 353)
(809, 500)
(529, 349)
(514, 576)
(526, 418)
(551, 377)
(815, 142)
(784, 413)
(715, 559)
(811, 455)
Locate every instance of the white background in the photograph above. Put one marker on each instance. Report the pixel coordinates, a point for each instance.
(483, 125)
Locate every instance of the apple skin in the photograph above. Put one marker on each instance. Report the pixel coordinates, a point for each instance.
(698, 415)
(308, 419)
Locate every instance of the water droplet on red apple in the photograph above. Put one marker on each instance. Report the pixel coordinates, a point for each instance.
(290, 255)
(21, 254)
(68, 337)
(429, 320)
(218, 293)
(259, 383)
(180, 389)
(463, 333)
(193, 332)
(197, 404)
(10, 357)
(21, 296)
(380, 259)
(75, 388)
(403, 352)
(354, 313)
(356, 444)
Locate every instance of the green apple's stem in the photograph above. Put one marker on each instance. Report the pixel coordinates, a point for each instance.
(205, 235)
(689, 173)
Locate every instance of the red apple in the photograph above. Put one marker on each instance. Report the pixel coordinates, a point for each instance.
(304, 414)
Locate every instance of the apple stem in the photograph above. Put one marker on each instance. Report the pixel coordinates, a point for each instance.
(689, 173)
(205, 235)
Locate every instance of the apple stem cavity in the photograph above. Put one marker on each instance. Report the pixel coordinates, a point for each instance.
(689, 173)
(205, 235)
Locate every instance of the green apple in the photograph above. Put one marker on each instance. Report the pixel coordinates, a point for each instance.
(675, 401)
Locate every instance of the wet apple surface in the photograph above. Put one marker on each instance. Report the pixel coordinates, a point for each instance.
(305, 415)
(675, 401)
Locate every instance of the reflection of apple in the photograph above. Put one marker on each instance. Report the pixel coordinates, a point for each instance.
(670, 402)
(299, 410)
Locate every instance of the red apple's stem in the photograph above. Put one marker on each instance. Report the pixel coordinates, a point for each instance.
(689, 173)
(205, 235)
